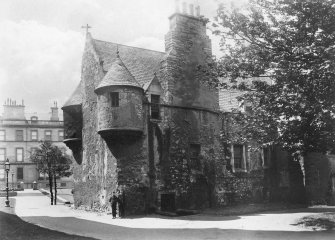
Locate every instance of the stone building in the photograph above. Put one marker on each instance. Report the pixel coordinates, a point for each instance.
(18, 139)
(147, 122)
(272, 171)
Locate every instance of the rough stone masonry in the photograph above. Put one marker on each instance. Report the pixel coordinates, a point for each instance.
(146, 123)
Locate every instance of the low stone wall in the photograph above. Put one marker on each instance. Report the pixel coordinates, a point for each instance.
(10, 194)
(235, 189)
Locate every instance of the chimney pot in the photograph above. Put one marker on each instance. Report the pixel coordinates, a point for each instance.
(177, 6)
(192, 9)
(197, 10)
(184, 7)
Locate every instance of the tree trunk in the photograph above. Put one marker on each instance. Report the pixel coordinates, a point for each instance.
(50, 185)
(55, 182)
(297, 188)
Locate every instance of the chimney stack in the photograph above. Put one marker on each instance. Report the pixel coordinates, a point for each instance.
(54, 112)
(177, 6)
(184, 8)
(13, 111)
(191, 9)
(197, 11)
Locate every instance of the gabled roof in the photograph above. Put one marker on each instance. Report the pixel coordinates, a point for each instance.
(118, 75)
(141, 63)
(228, 97)
(75, 98)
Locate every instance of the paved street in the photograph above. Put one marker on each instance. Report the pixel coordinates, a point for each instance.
(34, 207)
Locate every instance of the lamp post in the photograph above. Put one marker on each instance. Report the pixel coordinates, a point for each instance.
(7, 167)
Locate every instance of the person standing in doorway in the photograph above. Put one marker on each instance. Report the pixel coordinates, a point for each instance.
(121, 203)
(113, 200)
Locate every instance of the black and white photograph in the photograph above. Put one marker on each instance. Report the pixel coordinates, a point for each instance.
(167, 119)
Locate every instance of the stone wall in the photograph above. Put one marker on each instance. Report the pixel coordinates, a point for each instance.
(179, 154)
(240, 188)
(173, 169)
(129, 113)
(189, 49)
(97, 174)
(319, 173)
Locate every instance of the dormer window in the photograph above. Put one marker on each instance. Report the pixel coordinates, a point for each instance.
(155, 111)
(34, 119)
(114, 97)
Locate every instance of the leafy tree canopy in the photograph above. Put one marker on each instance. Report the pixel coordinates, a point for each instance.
(292, 43)
(51, 159)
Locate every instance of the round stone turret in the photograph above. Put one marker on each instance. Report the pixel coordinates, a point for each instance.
(120, 109)
(73, 124)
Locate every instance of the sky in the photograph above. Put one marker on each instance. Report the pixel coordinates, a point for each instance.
(42, 42)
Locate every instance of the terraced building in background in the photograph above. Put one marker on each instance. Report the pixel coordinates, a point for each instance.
(19, 137)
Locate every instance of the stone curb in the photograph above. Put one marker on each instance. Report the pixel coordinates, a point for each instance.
(45, 192)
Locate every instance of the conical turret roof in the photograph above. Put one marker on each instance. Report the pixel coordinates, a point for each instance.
(118, 75)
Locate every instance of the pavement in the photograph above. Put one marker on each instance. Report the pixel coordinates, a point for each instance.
(63, 195)
(34, 207)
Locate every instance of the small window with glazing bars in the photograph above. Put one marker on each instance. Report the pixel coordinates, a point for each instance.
(114, 98)
(155, 100)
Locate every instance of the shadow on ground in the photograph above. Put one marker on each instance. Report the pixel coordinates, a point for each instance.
(109, 231)
(12, 228)
(321, 221)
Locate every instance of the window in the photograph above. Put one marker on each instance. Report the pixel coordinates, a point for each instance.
(34, 119)
(60, 135)
(47, 136)
(19, 154)
(32, 150)
(33, 135)
(41, 176)
(2, 173)
(114, 96)
(155, 100)
(19, 173)
(19, 135)
(2, 154)
(2, 135)
(194, 156)
(238, 156)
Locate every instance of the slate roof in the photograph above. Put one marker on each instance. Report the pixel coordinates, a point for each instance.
(228, 101)
(75, 98)
(141, 63)
(248, 81)
(117, 75)
(227, 97)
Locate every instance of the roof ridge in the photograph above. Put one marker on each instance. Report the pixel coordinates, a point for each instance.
(129, 46)
(125, 66)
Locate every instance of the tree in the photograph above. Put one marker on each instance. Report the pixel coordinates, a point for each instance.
(52, 161)
(292, 42)
(61, 167)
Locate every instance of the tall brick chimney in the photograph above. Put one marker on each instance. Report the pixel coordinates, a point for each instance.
(54, 112)
(188, 49)
(186, 28)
